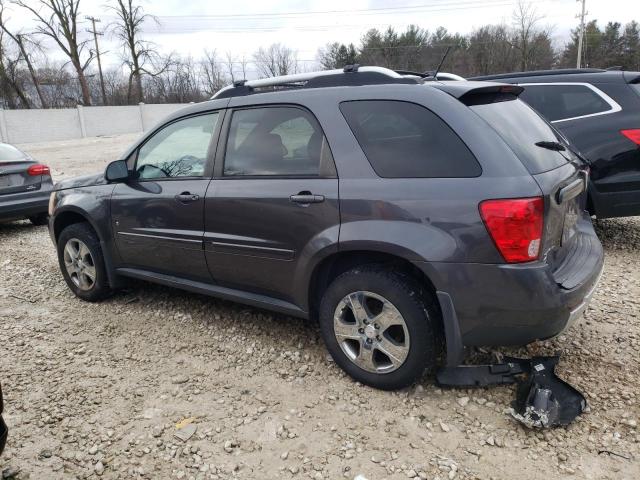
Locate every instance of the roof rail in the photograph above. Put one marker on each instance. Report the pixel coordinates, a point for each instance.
(537, 73)
(349, 75)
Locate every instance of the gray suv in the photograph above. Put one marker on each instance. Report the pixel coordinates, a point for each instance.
(400, 213)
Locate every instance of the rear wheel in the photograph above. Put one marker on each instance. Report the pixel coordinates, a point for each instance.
(40, 219)
(379, 327)
(81, 262)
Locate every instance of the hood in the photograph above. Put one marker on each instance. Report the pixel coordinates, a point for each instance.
(84, 181)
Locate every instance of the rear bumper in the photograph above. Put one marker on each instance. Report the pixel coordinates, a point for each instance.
(26, 204)
(501, 304)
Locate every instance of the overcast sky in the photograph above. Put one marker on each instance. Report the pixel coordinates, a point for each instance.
(241, 26)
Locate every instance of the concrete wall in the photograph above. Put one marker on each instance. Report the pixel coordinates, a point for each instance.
(43, 125)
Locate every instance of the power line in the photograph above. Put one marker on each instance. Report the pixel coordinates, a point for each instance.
(373, 11)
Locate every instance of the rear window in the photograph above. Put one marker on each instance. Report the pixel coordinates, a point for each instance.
(405, 140)
(561, 102)
(521, 128)
(9, 152)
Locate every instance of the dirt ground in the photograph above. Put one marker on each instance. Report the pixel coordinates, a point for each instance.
(96, 390)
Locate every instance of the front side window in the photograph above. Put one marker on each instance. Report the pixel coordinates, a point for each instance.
(277, 141)
(178, 150)
(561, 101)
(405, 140)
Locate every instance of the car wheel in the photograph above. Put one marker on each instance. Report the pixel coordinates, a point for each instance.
(40, 219)
(81, 262)
(379, 326)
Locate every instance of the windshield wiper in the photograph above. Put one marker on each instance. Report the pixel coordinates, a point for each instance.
(555, 146)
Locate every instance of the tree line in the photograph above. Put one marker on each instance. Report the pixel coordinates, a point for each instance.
(30, 79)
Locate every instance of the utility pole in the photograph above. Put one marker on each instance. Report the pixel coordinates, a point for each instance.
(95, 39)
(581, 37)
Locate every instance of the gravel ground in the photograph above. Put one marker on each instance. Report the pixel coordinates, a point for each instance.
(97, 389)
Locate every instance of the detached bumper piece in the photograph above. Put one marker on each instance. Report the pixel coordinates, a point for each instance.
(542, 399)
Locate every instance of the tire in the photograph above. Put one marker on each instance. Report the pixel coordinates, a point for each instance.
(89, 262)
(40, 219)
(412, 339)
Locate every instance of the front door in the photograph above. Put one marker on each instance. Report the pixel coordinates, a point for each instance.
(274, 201)
(158, 217)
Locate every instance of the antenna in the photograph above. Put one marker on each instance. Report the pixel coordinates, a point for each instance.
(444, 57)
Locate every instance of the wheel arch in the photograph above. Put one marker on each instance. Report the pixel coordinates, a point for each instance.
(339, 262)
(70, 215)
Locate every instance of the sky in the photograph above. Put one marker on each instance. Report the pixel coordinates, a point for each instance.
(240, 27)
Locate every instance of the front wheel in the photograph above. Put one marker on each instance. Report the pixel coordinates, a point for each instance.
(379, 326)
(81, 262)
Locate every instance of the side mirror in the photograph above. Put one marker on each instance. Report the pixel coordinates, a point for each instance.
(117, 171)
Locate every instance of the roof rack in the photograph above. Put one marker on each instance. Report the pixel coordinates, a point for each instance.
(351, 75)
(431, 75)
(538, 73)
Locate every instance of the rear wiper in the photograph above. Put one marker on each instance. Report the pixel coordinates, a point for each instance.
(555, 146)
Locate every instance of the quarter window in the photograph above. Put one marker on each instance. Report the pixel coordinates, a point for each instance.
(560, 102)
(279, 141)
(178, 150)
(405, 140)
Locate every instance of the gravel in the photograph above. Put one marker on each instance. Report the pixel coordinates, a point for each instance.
(96, 390)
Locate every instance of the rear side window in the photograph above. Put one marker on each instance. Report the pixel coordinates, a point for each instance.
(561, 102)
(275, 141)
(9, 152)
(521, 128)
(405, 140)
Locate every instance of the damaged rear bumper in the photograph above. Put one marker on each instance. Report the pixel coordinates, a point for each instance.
(542, 399)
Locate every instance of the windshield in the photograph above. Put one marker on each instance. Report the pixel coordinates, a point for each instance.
(521, 128)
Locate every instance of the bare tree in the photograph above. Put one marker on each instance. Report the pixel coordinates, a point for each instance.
(529, 36)
(140, 55)
(212, 76)
(178, 84)
(21, 40)
(230, 61)
(275, 60)
(10, 82)
(58, 19)
(243, 66)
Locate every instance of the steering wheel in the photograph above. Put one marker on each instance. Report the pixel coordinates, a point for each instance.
(150, 165)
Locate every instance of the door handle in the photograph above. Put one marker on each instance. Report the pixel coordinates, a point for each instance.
(572, 190)
(305, 198)
(186, 197)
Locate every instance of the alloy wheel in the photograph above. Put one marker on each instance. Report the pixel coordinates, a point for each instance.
(371, 332)
(79, 264)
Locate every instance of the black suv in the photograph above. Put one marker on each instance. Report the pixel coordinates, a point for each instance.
(396, 211)
(599, 111)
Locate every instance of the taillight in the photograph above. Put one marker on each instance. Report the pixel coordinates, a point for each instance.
(632, 134)
(515, 225)
(35, 170)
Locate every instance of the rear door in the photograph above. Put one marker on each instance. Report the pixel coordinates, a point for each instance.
(273, 201)
(158, 217)
(14, 171)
